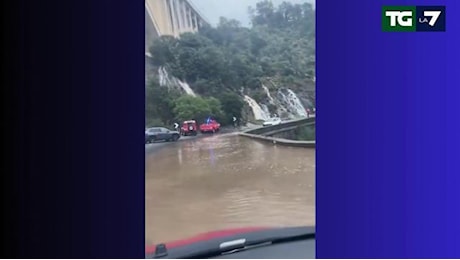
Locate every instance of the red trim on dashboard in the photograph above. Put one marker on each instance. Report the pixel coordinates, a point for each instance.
(150, 249)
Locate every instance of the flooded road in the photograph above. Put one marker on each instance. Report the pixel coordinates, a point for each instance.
(226, 181)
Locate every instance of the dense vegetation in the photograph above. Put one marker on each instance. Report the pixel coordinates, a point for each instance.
(305, 133)
(222, 62)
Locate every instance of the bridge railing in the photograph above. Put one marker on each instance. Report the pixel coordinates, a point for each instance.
(275, 128)
(261, 133)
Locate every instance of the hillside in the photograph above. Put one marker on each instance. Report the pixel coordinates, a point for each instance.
(230, 70)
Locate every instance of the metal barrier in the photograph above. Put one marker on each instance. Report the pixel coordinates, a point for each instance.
(288, 124)
(262, 132)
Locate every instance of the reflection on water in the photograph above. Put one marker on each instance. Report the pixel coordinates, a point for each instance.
(228, 181)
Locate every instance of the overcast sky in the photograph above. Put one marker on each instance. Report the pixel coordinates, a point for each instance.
(233, 9)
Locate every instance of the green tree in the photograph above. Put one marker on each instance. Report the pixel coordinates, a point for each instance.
(163, 50)
(189, 107)
(159, 103)
(232, 106)
(215, 107)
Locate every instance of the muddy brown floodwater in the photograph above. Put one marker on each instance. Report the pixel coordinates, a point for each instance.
(226, 181)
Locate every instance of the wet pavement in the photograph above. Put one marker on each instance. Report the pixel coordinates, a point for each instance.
(224, 181)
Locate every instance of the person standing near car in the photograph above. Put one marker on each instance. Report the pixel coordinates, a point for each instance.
(176, 126)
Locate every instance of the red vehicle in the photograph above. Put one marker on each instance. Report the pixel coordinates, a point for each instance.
(189, 128)
(241, 243)
(211, 126)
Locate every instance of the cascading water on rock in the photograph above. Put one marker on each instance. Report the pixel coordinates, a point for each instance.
(272, 101)
(265, 109)
(186, 88)
(259, 113)
(299, 108)
(166, 80)
(292, 102)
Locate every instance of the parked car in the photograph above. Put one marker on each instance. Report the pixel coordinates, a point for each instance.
(189, 128)
(272, 121)
(211, 126)
(160, 134)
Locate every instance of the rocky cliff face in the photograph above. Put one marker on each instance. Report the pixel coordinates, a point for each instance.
(270, 98)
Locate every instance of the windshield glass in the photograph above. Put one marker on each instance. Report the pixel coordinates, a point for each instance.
(239, 93)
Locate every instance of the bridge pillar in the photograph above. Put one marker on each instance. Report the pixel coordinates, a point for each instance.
(189, 19)
(173, 8)
(168, 8)
(184, 15)
(180, 15)
(195, 25)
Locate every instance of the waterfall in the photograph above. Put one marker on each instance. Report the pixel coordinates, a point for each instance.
(265, 109)
(165, 80)
(259, 113)
(272, 101)
(281, 101)
(186, 88)
(163, 75)
(293, 102)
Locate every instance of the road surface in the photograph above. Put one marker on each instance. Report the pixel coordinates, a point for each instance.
(154, 147)
(220, 181)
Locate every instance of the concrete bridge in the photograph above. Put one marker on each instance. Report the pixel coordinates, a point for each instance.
(278, 134)
(170, 17)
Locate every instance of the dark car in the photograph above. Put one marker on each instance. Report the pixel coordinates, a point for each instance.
(160, 134)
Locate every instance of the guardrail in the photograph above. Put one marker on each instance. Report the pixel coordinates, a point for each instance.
(261, 133)
(288, 124)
